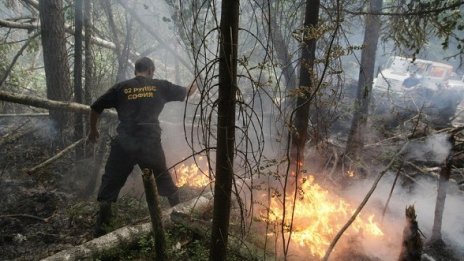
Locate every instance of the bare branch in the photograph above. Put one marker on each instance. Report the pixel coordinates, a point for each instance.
(49, 161)
(46, 103)
(415, 13)
(15, 59)
(155, 35)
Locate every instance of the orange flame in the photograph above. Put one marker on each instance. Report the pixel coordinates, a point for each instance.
(317, 217)
(350, 173)
(191, 175)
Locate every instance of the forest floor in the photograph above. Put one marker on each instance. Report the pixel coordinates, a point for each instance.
(43, 213)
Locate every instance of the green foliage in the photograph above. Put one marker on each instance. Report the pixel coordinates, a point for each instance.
(422, 21)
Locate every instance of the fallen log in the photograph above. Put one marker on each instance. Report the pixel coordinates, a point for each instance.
(47, 104)
(127, 235)
(60, 154)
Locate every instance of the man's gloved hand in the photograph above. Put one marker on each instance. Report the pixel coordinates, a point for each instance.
(93, 135)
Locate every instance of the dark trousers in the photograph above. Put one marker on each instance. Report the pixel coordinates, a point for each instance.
(126, 152)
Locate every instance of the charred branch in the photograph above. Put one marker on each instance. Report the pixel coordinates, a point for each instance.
(411, 249)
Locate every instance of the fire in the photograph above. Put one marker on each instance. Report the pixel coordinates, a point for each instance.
(317, 218)
(350, 173)
(191, 175)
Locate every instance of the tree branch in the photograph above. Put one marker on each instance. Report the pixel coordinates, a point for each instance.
(422, 12)
(13, 62)
(363, 203)
(60, 154)
(155, 35)
(46, 103)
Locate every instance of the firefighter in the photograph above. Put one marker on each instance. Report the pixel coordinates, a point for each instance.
(138, 102)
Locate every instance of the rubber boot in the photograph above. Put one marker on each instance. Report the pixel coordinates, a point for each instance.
(174, 199)
(103, 219)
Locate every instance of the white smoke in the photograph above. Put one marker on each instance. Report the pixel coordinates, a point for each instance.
(434, 149)
(423, 197)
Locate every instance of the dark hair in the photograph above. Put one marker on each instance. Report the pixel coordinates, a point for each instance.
(144, 64)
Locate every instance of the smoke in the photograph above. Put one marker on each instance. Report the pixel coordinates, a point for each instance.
(423, 199)
(435, 149)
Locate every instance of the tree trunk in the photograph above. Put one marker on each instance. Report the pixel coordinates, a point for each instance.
(443, 183)
(299, 134)
(366, 76)
(88, 70)
(411, 248)
(151, 195)
(120, 75)
(55, 56)
(281, 48)
(78, 123)
(225, 128)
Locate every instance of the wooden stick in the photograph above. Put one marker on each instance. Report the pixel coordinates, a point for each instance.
(151, 194)
(14, 115)
(361, 206)
(25, 216)
(391, 190)
(60, 154)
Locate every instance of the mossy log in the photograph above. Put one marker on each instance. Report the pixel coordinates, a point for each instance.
(128, 235)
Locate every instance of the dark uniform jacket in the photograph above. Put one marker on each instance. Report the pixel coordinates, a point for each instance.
(139, 101)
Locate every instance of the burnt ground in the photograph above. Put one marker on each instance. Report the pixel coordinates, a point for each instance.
(46, 212)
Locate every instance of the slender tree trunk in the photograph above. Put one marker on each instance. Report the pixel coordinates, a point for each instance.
(112, 25)
(443, 183)
(88, 63)
(299, 135)
(78, 123)
(282, 53)
(151, 195)
(55, 56)
(366, 76)
(225, 128)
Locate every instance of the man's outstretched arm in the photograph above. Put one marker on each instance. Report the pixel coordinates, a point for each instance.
(193, 88)
(93, 134)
